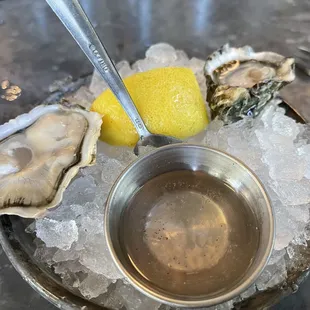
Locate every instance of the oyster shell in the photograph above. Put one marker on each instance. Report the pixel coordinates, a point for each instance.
(241, 82)
(40, 152)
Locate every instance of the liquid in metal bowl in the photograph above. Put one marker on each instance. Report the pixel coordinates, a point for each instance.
(189, 225)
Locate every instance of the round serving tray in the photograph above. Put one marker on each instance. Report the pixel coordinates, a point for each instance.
(19, 247)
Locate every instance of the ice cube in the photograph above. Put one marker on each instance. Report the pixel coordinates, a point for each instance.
(215, 126)
(282, 143)
(96, 257)
(97, 84)
(162, 52)
(287, 227)
(134, 300)
(83, 97)
(236, 141)
(43, 253)
(280, 110)
(223, 306)
(304, 152)
(272, 275)
(81, 190)
(299, 213)
(126, 157)
(279, 275)
(102, 195)
(143, 150)
(265, 118)
(211, 139)
(65, 212)
(276, 256)
(62, 256)
(113, 300)
(93, 285)
(284, 125)
(262, 135)
(69, 267)
(124, 69)
(69, 279)
(287, 166)
(292, 193)
(112, 168)
(249, 292)
(283, 238)
(57, 234)
(248, 156)
(93, 171)
(91, 222)
(197, 139)
(182, 59)
(269, 140)
(147, 64)
(197, 65)
(263, 174)
(122, 153)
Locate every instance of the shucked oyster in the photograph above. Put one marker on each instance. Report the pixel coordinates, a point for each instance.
(40, 152)
(241, 82)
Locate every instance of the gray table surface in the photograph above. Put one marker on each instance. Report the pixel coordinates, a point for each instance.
(35, 50)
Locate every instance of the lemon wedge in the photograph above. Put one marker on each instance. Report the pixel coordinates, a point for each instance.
(168, 99)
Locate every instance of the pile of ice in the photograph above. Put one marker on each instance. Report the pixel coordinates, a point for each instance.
(71, 238)
(277, 149)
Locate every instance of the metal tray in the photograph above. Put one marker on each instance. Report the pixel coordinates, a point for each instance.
(19, 247)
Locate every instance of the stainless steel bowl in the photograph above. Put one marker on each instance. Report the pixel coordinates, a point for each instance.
(189, 225)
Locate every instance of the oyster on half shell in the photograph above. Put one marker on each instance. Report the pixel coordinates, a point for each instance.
(40, 152)
(240, 82)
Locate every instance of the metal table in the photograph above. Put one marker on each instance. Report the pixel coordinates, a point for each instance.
(35, 50)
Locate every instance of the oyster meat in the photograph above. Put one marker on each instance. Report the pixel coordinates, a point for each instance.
(40, 152)
(240, 82)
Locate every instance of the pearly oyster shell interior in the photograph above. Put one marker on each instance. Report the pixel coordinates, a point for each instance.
(40, 152)
(240, 82)
(244, 74)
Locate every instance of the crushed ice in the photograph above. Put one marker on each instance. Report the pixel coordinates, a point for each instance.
(71, 238)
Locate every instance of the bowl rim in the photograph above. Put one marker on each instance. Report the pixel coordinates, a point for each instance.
(182, 302)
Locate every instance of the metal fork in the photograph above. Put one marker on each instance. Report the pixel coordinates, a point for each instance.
(303, 59)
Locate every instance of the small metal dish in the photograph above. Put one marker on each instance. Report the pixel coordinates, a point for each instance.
(189, 226)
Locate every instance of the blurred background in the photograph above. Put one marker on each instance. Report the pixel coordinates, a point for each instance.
(36, 50)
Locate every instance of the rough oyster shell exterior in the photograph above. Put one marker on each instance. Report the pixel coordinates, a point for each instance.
(23, 190)
(233, 98)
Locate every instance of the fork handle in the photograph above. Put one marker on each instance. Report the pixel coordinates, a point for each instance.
(75, 20)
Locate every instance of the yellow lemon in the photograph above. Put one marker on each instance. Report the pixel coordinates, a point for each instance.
(168, 99)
